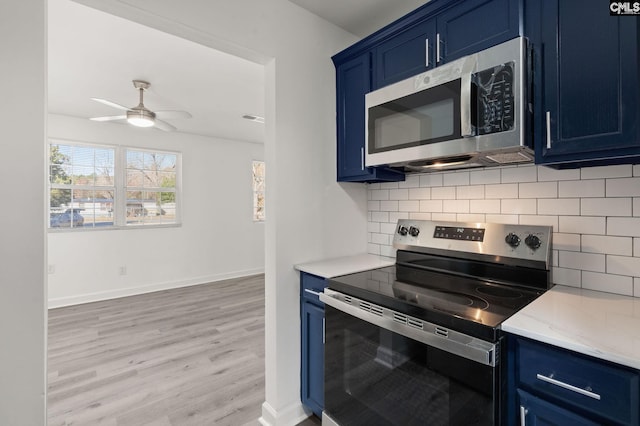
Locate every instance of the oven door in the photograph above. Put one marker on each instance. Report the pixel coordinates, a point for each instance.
(374, 375)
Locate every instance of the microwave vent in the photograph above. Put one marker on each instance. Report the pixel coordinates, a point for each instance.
(509, 157)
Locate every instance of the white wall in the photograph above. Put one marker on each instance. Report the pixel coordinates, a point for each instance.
(22, 244)
(594, 212)
(310, 216)
(218, 238)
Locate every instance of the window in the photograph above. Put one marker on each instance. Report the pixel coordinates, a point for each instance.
(258, 191)
(94, 186)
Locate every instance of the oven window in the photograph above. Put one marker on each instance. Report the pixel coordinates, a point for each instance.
(374, 376)
(429, 116)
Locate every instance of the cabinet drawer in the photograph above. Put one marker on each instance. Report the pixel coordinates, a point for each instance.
(311, 286)
(579, 382)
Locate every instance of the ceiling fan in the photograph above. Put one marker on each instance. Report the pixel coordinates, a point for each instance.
(140, 115)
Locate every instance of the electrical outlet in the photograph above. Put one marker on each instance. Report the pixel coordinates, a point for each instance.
(123, 270)
(51, 269)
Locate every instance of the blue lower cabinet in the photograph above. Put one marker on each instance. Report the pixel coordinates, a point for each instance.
(312, 338)
(538, 412)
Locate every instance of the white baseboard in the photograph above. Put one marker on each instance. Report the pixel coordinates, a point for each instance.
(291, 415)
(147, 288)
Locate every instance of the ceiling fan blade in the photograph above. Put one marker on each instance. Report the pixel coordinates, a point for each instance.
(109, 118)
(163, 125)
(172, 114)
(111, 104)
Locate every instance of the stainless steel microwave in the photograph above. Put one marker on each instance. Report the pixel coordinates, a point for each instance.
(467, 113)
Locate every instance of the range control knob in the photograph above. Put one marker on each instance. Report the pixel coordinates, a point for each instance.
(413, 231)
(532, 241)
(402, 230)
(512, 239)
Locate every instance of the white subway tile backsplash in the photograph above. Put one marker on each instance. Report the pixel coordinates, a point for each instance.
(474, 218)
(380, 216)
(566, 242)
(624, 226)
(394, 216)
(472, 192)
(379, 194)
(399, 194)
(570, 277)
(607, 282)
(549, 174)
(456, 179)
(443, 193)
(559, 206)
(502, 218)
(518, 207)
(409, 206)
(583, 261)
(605, 206)
(595, 214)
(540, 220)
(421, 216)
(431, 206)
(629, 187)
(410, 181)
(623, 265)
(607, 245)
(380, 239)
(581, 188)
(444, 217)
(622, 170)
(484, 206)
(481, 177)
(430, 180)
(389, 185)
(388, 206)
(455, 206)
(538, 190)
(509, 190)
(519, 174)
(582, 225)
(419, 193)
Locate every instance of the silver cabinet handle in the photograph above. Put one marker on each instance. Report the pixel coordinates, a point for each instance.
(548, 129)
(362, 158)
(585, 392)
(315, 293)
(323, 329)
(438, 58)
(523, 415)
(426, 53)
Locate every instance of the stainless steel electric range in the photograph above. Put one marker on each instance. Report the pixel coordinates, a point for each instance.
(419, 343)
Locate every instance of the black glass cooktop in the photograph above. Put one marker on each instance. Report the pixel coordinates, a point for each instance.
(469, 305)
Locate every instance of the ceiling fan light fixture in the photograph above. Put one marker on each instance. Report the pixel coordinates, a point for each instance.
(141, 118)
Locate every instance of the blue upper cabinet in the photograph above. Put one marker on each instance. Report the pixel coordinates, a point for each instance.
(439, 31)
(586, 85)
(353, 80)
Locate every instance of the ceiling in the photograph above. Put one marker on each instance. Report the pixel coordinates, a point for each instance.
(95, 54)
(360, 17)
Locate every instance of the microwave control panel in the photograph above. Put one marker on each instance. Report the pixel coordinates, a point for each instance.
(495, 99)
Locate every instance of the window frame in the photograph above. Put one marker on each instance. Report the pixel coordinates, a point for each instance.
(120, 187)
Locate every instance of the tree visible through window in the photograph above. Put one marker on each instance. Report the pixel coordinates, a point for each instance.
(258, 190)
(97, 186)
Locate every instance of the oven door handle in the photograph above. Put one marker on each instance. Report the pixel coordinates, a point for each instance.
(438, 337)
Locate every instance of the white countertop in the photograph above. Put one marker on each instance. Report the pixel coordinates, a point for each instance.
(603, 325)
(329, 268)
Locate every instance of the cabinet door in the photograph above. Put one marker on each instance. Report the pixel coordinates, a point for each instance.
(312, 383)
(474, 25)
(589, 79)
(409, 53)
(538, 412)
(353, 81)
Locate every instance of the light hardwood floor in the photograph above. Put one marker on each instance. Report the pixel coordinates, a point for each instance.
(189, 356)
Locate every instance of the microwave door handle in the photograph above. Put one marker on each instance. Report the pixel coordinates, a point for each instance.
(466, 129)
